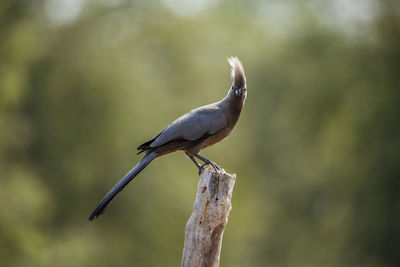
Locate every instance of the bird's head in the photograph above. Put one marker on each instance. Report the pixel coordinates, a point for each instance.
(238, 91)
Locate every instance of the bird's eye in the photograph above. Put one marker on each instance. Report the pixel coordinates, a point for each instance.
(244, 89)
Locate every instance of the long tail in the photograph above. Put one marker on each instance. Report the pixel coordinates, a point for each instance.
(121, 184)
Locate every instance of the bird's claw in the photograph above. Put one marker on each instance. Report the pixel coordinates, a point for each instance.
(213, 164)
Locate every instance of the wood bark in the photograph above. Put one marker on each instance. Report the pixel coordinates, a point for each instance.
(206, 225)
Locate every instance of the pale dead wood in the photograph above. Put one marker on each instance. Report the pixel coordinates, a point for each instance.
(206, 225)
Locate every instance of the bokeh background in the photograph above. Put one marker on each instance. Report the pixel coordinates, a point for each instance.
(316, 150)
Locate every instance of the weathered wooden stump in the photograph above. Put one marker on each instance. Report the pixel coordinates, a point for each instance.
(206, 225)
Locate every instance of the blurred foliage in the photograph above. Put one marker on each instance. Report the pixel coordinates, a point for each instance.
(316, 151)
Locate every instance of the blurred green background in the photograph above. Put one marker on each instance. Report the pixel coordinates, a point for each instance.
(316, 150)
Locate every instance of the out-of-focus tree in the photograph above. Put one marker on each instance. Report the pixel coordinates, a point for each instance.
(316, 150)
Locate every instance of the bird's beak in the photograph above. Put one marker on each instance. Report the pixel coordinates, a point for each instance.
(238, 91)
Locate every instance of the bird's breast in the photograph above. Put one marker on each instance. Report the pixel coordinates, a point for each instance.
(209, 141)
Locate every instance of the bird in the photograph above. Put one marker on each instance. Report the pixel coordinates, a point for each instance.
(190, 133)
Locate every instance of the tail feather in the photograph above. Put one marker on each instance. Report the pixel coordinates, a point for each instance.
(121, 184)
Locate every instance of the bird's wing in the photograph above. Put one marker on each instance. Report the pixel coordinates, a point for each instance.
(193, 125)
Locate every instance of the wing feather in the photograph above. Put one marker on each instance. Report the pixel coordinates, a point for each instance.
(193, 125)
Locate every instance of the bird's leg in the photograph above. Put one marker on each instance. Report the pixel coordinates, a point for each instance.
(194, 161)
(206, 161)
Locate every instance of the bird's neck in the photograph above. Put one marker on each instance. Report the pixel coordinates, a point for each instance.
(232, 109)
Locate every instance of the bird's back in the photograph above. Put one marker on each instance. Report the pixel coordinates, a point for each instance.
(193, 125)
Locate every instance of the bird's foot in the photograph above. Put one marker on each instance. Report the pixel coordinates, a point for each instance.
(213, 164)
(207, 161)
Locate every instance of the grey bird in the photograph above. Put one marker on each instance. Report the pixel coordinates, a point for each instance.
(192, 132)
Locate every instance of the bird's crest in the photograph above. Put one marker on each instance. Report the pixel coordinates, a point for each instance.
(237, 72)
